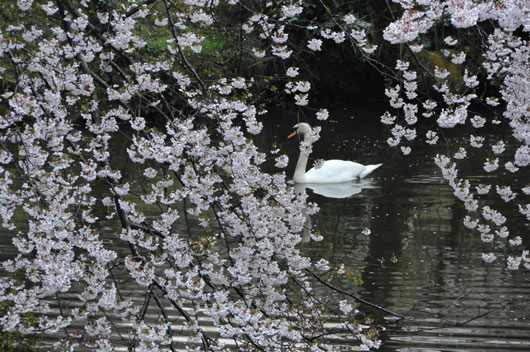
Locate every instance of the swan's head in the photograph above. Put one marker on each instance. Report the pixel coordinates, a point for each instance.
(300, 128)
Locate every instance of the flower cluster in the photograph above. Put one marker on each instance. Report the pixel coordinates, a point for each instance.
(135, 168)
(506, 56)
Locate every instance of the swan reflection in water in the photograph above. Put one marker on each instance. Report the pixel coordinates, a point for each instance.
(330, 190)
(336, 190)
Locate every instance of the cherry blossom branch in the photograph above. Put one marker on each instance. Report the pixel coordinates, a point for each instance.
(357, 298)
(181, 53)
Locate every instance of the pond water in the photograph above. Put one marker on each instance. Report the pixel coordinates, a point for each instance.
(452, 299)
(419, 260)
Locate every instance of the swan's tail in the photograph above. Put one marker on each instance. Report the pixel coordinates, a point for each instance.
(368, 170)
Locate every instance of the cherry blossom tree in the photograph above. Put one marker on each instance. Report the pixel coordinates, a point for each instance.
(115, 115)
(140, 117)
(501, 29)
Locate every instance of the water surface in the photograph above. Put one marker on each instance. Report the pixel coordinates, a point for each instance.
(452, 299)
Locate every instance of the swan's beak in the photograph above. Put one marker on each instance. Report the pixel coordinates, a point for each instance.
(292, 134)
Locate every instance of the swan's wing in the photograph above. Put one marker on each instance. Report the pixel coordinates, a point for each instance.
(335, 171)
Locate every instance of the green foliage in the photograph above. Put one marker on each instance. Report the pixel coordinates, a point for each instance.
(436, 58)
(14, 341)
(9, 14)
(213, 46)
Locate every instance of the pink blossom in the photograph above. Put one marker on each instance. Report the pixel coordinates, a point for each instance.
(315, 44)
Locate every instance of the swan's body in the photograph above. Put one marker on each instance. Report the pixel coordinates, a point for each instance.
(332, 171)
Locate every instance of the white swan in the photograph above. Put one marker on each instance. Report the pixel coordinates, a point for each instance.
(332, 171)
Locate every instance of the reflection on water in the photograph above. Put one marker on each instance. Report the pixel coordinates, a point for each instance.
(335, 190)
(453, 300)
(439, 280)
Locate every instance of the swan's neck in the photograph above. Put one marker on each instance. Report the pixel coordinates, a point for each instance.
(301, 165)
